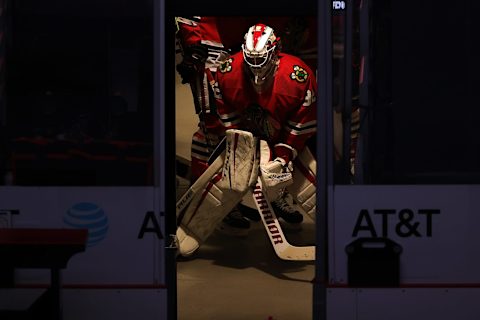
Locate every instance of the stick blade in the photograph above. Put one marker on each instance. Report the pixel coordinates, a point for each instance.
(282, 247)
(297, 253)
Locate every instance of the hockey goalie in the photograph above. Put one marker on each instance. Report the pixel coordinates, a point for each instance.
(265, 100)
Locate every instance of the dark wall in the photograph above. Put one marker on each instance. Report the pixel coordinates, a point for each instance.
(86, 58)
(79, 93)
(428, 132)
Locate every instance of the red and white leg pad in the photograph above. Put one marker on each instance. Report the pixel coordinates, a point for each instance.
(206, 209)
(200, 211)
(303, 189)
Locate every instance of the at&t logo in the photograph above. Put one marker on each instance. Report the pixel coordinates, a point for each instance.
(85, 215)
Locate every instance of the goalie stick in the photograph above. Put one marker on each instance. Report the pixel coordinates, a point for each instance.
(282, 247)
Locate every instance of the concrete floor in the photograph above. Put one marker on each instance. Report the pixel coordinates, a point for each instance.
(242, 278)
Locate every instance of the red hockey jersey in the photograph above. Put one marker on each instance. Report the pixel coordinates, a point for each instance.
(284, 113)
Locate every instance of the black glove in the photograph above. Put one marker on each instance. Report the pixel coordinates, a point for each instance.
(198, 53)
(193, 60)
(186, 71)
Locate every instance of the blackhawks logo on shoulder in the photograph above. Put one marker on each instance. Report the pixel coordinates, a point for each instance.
(299, 74)
(226, 66)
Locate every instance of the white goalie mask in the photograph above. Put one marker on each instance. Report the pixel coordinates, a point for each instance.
(260, 52)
